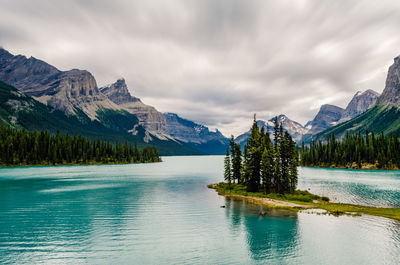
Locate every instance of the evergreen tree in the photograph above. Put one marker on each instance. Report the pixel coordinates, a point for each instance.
(228, 170)
(383, 151)
(267, 166)
(276, 132)
(252, 158)
(236, 160)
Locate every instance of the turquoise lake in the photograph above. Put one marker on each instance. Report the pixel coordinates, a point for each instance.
(163, 213)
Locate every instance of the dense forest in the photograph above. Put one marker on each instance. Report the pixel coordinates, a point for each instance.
(354, 151)
(268, 166)
(20, 147)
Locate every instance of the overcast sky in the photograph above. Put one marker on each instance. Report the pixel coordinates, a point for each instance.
(216, 62)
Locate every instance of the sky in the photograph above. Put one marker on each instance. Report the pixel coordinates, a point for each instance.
(216, 62)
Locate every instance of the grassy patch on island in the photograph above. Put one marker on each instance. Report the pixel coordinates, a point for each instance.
(306, 198)
(298, 196)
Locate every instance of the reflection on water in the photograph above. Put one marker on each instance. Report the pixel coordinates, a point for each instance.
(163, 213)
(272, 235)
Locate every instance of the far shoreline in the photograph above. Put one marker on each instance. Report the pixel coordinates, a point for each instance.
(74, 165)
(369, 167)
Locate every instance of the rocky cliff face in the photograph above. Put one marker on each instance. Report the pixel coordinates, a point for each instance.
(359, 104)
(118, 92)
(26, 74)
(152, 120)
(295, 129)
(66, 91)
(328, 116)
(391, 93)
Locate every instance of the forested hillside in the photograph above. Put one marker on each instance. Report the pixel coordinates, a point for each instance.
(19, 147)
(354, 151)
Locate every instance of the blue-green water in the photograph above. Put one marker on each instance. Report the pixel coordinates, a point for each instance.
(366, 187)
(164, 214)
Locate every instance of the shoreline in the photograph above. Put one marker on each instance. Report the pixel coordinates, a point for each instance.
(363, 167)
(73, 164)
(335, 209)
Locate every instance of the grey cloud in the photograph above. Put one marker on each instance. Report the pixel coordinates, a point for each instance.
(216, 62)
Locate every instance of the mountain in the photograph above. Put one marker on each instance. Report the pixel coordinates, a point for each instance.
(75, 94)
(196, 135)
(391, 94)
(242, 139)
(152, 120)
(23, 112)
(63, 90)
(383, 117)
(168, 126)
(359, 104)
(328, 116)
(295, 129)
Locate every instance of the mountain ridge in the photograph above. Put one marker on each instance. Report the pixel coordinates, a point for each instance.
(151, 119)
(295, 129)
(196, 135)
(63, 90)
(382, 117)
(76, 93)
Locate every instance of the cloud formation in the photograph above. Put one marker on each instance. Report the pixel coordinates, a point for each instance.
(216, 62)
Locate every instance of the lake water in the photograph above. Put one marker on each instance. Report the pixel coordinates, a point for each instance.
(163, 213)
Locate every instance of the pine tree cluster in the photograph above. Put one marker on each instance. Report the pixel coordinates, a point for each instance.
(264, 165)
(19, 147)
(382, 151)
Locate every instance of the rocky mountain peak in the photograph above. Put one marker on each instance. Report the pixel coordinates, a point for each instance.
(331, 108)
(152, 120)
(327, 116)
(118, 92)
(4, 54)
(281, 118)
(295, 129)
(190, 132)
(359, 104)
(371, 92)
(391, 93)
(63, 90)
(28, 75)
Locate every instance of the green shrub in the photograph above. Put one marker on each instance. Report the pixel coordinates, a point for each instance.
(324, 198)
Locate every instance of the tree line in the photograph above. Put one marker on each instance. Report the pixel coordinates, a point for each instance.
(265, 165)
(383, 151)
(20, 147)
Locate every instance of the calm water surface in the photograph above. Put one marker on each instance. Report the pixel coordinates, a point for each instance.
(164, 214)
(366, 187)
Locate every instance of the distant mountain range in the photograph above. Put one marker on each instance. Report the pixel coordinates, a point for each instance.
(196, 135)
(87, 109)
(327, 117)
(295, 129)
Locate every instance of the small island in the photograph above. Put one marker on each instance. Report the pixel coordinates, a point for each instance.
(40, 148)
(266, 174)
